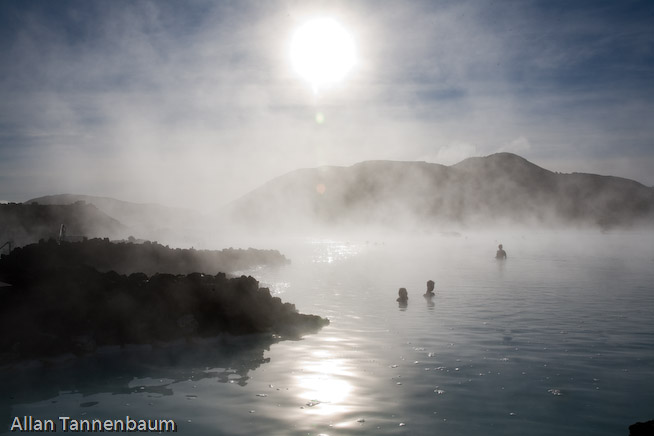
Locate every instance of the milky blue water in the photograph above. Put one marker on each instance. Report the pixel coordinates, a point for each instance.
(558, 339)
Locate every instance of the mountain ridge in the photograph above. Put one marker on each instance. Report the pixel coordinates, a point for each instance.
(499, 188)
(146, 220)
(24, 224)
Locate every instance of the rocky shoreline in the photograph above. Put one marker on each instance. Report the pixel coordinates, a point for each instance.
(52, 309)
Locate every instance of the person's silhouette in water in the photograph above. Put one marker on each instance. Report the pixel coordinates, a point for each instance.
(403, 297)
(430, 289)
(501, 254)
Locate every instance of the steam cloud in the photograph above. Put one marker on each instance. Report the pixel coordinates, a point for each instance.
(195, 106)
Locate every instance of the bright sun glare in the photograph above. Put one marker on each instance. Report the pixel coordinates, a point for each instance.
(322, 52)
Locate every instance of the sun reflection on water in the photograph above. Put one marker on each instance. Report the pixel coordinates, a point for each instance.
(324, 384)
(329, 251)
(278, 288)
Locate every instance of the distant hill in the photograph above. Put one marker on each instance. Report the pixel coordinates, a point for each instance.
(149, 221)
(500, 188)
(27, 223)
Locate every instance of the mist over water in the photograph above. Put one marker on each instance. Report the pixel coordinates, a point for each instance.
(558, 339)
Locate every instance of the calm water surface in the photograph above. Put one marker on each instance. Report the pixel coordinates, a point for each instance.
(559, 339)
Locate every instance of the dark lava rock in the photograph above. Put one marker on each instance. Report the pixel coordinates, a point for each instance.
(642, 429)
(50, 311)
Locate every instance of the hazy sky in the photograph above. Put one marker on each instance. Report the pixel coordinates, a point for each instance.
(195, 103)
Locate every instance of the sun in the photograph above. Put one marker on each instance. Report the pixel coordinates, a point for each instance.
(322, 52)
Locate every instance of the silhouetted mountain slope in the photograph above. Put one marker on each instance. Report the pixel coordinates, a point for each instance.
(498, 188)
(149, 221)
(27, 223)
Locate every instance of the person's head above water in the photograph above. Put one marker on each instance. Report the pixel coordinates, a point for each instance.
(430, 286)
(499, 246)
(403, 295)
